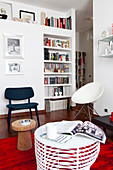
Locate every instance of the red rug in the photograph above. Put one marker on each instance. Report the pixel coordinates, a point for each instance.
(13, 159)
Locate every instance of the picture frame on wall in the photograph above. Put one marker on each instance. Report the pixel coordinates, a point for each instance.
(14, 67)
(13, 46)
(6, 11)
(27, 16)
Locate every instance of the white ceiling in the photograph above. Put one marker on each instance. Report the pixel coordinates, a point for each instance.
(83, 8)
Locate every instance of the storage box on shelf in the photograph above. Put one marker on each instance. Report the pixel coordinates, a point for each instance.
(105, 47)
(57, 68)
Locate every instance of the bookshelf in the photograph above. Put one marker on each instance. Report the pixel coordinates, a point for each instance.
(57, 68)
(80, 68)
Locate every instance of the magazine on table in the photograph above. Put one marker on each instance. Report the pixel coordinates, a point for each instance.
(81, 128)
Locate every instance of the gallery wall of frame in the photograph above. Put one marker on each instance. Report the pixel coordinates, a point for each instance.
(13, 53)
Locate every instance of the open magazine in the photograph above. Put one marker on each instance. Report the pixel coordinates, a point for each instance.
(81, 128)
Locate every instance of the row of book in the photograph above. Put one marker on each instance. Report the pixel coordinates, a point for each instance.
(80, 71)
(60, 68)
(56, 80)
(80, 68)
(51, 105)
(56, 43)
(48, 55)
(64, 23)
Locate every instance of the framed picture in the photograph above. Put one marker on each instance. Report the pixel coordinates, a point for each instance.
(27, 16)
(14, 67)
(5, 11)
(13, 46)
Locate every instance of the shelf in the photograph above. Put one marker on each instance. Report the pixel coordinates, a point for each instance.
(107, 39)
(58, 97)
(56, 48)
(56, 73)
(51, 85)
(107, 56)
(55, 61)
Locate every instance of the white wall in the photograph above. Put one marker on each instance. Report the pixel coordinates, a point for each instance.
(33, 52)
(33, 65)
(103, 67)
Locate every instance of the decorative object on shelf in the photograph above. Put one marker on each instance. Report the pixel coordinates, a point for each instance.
(105, 47)
(58, 70)
(58, 91)
(5, 11)
(105, 34)
(27, 16)
(3, 14)
(14, 67)
(107, 50)
(18, 19)
(43, 16)
(46, 80)
(13, 46)
(47, 71)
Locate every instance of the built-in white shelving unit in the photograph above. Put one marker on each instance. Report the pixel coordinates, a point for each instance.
(57, 66)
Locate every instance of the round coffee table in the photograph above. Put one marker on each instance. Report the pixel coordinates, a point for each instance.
(79, 152)
(24, 135)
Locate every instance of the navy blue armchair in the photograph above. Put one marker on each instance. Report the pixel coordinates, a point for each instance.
(21, 93)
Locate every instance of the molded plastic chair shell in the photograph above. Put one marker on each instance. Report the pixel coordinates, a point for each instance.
(88, 93)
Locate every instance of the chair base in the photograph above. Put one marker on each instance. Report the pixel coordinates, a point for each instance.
(89, 114)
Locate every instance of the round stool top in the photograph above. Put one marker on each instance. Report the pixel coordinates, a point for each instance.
(16, 125)
(75, 142)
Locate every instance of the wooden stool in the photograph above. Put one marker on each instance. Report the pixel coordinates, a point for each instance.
(24, 136)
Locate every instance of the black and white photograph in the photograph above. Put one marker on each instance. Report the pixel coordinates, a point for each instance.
(13, 46)
(14, 67)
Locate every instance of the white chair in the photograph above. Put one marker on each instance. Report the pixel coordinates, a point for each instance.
(87, 94)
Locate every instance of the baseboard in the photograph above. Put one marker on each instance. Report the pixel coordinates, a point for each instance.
(22, 114)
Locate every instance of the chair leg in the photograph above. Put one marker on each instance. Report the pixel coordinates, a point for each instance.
(9, 117)
(90, 117)
(37, 116)
(79, 111)
(31, 114)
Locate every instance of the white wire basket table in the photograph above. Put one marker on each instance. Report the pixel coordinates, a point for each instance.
(78, 153)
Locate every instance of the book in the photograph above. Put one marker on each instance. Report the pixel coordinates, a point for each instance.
(81, 128)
